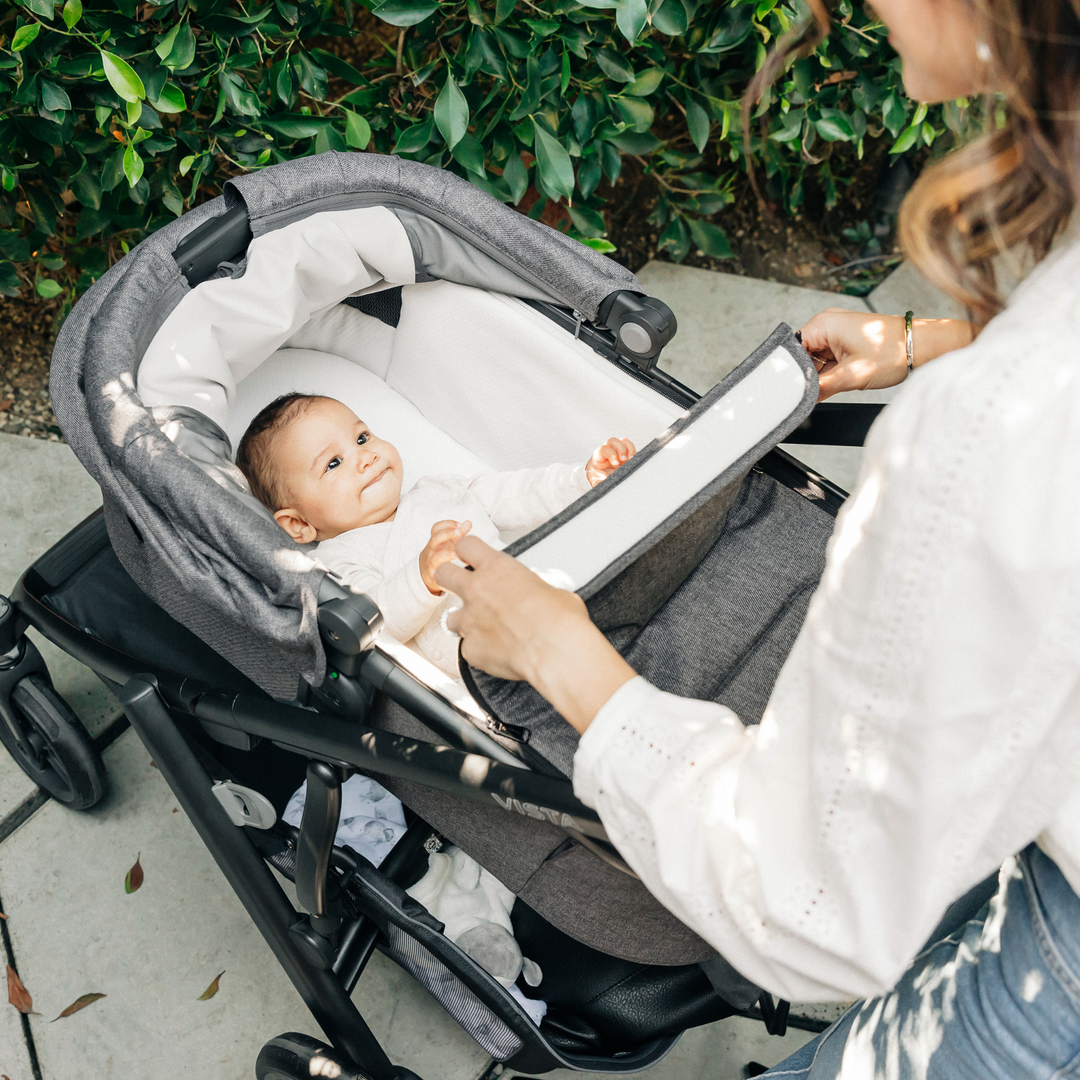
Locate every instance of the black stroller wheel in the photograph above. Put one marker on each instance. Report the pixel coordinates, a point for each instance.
(300, 1057)
(58, 756)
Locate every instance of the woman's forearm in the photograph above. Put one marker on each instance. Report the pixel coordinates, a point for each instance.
(577, 670)
(936, 337)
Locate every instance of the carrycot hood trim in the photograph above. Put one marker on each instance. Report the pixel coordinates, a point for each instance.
(561, 268)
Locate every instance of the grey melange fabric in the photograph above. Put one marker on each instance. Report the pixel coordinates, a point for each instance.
(722, 636)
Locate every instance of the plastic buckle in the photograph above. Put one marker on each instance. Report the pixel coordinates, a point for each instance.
(244, 806)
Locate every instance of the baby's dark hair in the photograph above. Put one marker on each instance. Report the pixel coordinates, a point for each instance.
(254, 457)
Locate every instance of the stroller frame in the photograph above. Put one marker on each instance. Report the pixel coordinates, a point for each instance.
(326, 946)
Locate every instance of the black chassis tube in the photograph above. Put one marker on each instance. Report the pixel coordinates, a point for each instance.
(250, 878)
(468, 776)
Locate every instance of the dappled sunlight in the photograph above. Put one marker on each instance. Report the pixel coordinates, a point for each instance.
(558, 579)
(124, 415)
(852, 527)
(292, 561)
(323, 1066)
(867, 762)
(1033, 984)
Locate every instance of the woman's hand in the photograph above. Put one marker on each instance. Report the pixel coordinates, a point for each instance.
(439, 550)
(860, 351)
(516, 626)
(607, 458)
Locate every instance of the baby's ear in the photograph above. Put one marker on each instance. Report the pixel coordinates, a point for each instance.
(295, 526)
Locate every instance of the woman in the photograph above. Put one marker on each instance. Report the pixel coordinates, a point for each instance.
(926, 726)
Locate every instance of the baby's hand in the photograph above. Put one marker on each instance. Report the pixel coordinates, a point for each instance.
(440, 549)
(607, 458)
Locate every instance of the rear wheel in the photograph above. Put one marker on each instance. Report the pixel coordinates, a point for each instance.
(300, 1057)
(57, 753)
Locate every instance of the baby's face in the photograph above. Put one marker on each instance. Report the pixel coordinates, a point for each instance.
(338, 474)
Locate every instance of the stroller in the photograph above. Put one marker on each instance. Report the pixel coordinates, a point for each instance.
(474, 338)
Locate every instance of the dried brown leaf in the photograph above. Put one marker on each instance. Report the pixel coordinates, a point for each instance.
(134, 879)
(17, 994)
(212, 989)
(79, 1003)
(3, 916)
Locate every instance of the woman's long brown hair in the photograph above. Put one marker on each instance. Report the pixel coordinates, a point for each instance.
(1012, 190)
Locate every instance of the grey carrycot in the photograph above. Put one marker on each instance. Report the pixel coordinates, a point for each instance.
(477, 339)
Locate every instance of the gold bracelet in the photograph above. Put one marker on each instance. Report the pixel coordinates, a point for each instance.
(909, 339)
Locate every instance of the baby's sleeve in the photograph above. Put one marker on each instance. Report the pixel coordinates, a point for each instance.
(528, 497)
(404, 600)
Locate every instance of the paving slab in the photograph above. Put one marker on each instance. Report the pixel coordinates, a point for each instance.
(153, 952)
(905, 289)
(14, 1055)
(724, 317)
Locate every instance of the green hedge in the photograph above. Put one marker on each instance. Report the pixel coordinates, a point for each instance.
(116, 116)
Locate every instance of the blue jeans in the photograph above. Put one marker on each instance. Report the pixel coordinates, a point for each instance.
(999, 999)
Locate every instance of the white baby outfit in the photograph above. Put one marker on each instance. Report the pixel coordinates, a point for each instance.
(383, 560)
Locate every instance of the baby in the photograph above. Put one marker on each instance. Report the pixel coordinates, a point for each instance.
(326, 477)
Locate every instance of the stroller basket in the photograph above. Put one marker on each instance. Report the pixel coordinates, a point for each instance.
(476, 339)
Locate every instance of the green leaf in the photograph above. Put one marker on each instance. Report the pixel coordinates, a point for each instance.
(906, 141)
(170, 100)
(24, 36)
(8, 177)
(10, 285)
(615, 66)
(312, 77)
(588, 174)
(710, 239)
(134, 111)
(357, 130)
(405, 12)
(588, 221)
(415, 138)
(133, 166)
(675, 240)
(503, 10)
(516, 176)
(638, 114)
(469, 151)
(892, 112)
(122, 77)
(281, 78)
(242, 100)
(181, 48)
(451, 112)
(605, 247)
(53, 97)
(630, 17)
(186, 163)
(564, 76)
(631, 142)
(87, 189)
(48, 288)
(698, 124)
(671, 18)
(556, 168)
(647, 82)
(835, 127)
(72, 12)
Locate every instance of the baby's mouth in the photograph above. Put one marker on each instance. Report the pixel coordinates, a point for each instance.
(377, 479)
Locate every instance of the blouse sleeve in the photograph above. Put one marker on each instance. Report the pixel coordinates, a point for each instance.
(923, 726)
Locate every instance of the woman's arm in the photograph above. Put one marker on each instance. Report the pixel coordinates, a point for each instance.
(913, 739)
(516, 626)
(860, 351)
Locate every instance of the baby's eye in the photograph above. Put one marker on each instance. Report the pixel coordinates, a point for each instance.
(333, 463)
(363, 438)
